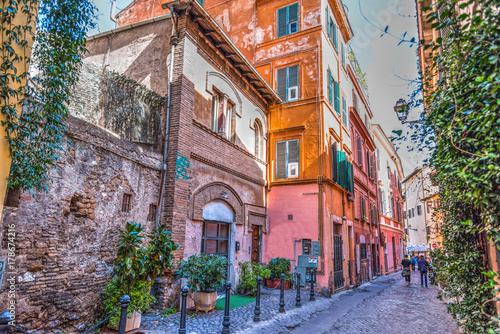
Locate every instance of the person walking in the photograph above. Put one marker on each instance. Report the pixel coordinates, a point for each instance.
(423, 266)
(413, 263)
(406, 264)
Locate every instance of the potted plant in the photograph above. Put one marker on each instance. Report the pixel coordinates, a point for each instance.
(205, 273)
(248, 276)
(279, 266)
(135, 268)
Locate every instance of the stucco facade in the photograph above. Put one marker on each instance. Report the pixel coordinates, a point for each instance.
(391, 203)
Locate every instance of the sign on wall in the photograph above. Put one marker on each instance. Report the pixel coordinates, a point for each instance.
(181, 167)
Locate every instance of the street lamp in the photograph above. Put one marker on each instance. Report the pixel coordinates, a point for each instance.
(402, 110)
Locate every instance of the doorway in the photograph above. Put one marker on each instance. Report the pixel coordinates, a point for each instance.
(338, 264)
(255, 243)
(394, 255)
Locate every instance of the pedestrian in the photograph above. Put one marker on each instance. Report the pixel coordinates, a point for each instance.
(423, 266)
(406, 264)
(413, 263)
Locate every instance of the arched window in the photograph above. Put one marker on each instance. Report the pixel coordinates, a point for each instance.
(259, 140)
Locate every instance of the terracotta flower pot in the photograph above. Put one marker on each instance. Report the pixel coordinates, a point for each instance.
(275, 284)
(134, 322)
(205, 301)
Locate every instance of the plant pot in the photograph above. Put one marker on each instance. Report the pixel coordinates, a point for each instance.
(205, 301)
(275, 284)
(132, 324)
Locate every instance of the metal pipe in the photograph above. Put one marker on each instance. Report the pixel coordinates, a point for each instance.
(173, 42)
(112, 15)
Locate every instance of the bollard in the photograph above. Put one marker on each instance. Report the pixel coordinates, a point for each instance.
(5, 318)
(297, 303)
(282, 294)
(256, 317)
(124, 302)
(184, 293)
(312, 297)
(226, 323)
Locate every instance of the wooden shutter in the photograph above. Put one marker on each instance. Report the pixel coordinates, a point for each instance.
(281, 166)
(282, 22)
(334, 35)
(334, 162)
(352, 178)
(342, 169)
(337, 97)
(328, 27)
(342, 53)
(360, 151)
(330, 88)
(293, 14)
(293, 76)
(293, 151)
(281, 84)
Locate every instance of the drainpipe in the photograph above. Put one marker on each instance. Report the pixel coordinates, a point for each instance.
(112, 15)
(173, 42)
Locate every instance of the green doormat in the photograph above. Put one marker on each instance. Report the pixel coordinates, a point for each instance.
(234, 302)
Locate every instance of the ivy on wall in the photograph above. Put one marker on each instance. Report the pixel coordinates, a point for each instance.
(462, 103)
(36, 134)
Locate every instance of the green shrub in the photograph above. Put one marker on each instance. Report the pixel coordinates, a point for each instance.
(205, 272)
(278, 266)
(249, 273)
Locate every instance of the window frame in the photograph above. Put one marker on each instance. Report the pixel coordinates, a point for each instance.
(218, 238)
(288, 21)
(287, 83)
(126, 202)
(287, 161)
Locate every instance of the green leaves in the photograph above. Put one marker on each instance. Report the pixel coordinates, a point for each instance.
(204, 272)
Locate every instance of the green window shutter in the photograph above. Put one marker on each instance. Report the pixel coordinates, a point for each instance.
(293, 151)
(281, 163)
(281, 84)
(349, 176)
(342, 169)
(282, 22)
(328, 26)
(334, 162)
(342, 53)
(330, 88)
(293, 14)
(293, 76)
(360, 151)
(337, 97)
(352, 179)
(334, 34)
(344, 111)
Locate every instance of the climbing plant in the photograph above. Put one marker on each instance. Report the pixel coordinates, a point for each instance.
(461, 90)
(51, 68)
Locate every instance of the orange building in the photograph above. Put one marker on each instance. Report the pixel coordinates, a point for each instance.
(299, 48)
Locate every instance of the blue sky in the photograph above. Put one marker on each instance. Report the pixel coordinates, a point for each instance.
(388, 65)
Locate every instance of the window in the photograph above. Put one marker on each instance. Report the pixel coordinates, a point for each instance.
(342, 53)
(333, 92)
(152, 213)
(344, 111)
(335, 163)
(288, 83)
(413, 212)
(287, 159)
(362, 251)
(259, 141)
(429, 206)
(215, 238)
(288, 20)
(419, 210)
(332, 29)
(127, 198)
(222, 112)
(362, 207)
(428, 230)
(355, 100)
(359, 148)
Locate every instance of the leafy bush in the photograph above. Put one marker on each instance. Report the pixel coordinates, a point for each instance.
(249, 273)
(140, 298)
(278, 266)
(204, 272)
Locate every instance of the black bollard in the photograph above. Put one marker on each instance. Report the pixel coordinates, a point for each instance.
(5, 318)
(226, 323)
(256, 317)
(282, 294)
(312, 297)
(184, 293)
(124, 302)
(297, 303)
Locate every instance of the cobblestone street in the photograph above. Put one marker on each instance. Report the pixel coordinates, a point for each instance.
(385, 305)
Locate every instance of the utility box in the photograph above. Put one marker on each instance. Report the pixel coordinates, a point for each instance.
(304, 265)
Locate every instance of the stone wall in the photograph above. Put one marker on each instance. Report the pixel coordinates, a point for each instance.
(67, 236)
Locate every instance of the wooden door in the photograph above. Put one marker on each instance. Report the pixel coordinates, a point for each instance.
(255, 243)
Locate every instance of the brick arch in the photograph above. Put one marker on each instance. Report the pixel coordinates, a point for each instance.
(220, 192)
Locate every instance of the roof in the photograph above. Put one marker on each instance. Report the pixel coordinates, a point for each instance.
(415, 172)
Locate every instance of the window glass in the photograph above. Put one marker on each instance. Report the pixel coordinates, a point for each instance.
(211, 230)
(210, 246)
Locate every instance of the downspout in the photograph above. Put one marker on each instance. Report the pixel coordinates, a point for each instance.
(112, 15)
(173, 43)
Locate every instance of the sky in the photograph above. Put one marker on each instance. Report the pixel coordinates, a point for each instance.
(389, 67)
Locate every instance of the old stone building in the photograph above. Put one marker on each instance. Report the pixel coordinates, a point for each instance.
(171, 92)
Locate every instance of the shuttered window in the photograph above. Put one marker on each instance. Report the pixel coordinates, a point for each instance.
(342, 53)
(287, 159)
(332, 28)
(360, 151)
(288, 20)
(344, 111)
(335, 167)
(337, 96)
(288, 83)
(342, 169)
(330, 87)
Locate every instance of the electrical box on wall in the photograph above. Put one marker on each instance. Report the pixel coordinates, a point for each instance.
(237, 246)
(304, 265)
